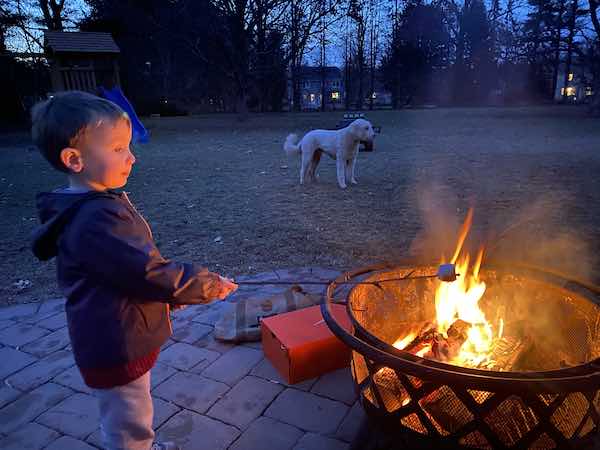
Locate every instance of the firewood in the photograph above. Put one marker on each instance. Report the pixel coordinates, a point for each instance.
(424, 337)
(445, 349)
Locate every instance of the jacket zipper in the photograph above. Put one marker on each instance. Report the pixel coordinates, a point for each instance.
(168, 308)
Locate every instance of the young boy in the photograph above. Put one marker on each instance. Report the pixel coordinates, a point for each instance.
(117, 284)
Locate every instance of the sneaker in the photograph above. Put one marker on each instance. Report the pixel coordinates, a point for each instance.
(164, 446)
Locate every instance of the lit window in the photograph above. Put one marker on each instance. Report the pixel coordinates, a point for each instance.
(571, 91)
(588, 91)
(570, 77)
(335, 95)
(312, 98)
(562, 91)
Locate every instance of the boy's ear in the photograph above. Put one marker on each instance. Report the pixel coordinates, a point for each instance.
(71, 158)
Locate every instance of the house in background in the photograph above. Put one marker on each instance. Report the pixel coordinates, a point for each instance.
(310, 79)
(380, 96)
(578, 87)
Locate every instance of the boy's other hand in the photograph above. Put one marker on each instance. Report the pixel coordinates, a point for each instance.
(227, 287)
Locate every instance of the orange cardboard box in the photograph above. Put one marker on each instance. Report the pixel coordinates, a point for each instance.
(300, 344)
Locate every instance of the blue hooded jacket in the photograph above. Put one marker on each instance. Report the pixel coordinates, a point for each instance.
(117, 284)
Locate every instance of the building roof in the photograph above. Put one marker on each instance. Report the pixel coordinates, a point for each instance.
(79, 42)
(315, 72)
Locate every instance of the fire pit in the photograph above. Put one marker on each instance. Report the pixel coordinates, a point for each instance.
(537, 384)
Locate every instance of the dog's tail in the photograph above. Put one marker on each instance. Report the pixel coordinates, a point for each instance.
(291, 146)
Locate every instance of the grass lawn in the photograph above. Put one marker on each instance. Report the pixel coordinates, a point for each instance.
(208, 177)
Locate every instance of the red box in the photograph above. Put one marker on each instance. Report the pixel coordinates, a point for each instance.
(300, 344)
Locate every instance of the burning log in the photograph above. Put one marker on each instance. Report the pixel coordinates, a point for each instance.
(445, 349)
(424, 338)
(431, 344)
(508, 353)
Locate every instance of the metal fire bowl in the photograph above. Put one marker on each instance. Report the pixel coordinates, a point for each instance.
(376, 347)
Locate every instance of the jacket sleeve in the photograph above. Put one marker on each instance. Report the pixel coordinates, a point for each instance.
(116, 250)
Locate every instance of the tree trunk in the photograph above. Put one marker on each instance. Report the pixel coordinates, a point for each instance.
(595, 103)
(594, 108)
(361, 64)
(557, 40)
(323, 68)
(570, 46)
(459, 65)
(594, 15)
(295, 106)
(296, 89)
(260, 56)
(52, 11)
(346, 74)
(241, 106)
(372, 56)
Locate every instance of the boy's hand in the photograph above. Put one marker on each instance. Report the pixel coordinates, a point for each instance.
(227, 287)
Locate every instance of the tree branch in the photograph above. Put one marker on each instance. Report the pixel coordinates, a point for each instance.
(594, 15)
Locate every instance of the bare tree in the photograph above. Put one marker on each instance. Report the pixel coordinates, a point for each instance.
(594, 16)
(53, 13)
(374, 10)
(9, 17)
(571, 24)
(323, 57)
(557, 43)
(246, 20)
(358, 13)
(16, 14)
(595, 104)
(304, 22)
(347, 64)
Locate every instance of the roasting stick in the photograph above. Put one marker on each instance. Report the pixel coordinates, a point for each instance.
(446, 273)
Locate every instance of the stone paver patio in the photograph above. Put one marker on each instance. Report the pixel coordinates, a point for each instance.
(207, 394)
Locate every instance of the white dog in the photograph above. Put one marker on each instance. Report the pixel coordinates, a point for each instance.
(342, 145)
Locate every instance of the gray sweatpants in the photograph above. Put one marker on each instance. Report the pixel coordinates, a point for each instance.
(126, 414)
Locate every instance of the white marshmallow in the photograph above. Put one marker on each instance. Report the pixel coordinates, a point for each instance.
(447, 272)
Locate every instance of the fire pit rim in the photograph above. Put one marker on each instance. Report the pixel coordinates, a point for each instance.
(568, 379)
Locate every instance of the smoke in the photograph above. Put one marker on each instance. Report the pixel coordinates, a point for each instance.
(440, 214)
(538, 231)
(545, 234)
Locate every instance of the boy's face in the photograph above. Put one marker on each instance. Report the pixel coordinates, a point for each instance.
(106, 158)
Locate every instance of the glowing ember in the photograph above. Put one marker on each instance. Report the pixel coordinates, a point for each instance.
(424, 351)
(458, 301)
(400, 344)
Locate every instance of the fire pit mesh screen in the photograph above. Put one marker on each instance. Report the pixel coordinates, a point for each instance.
(560, 325)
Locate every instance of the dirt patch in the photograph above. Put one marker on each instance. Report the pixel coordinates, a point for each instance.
(224, 194)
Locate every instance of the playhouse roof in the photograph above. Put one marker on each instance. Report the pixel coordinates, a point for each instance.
(80, 42)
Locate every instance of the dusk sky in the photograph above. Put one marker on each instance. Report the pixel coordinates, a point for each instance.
(335, 48)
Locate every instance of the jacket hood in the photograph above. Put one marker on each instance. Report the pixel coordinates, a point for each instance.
(55, 210)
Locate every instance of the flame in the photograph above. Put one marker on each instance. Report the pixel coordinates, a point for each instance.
(401, 343)
(464, 230)
(459, 300)
(424, 351)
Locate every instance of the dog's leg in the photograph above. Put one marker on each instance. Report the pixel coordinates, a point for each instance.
(311, 171)
(304, 165)
(348, 170)
(339, 162)
(314, 163)
(352, 177)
